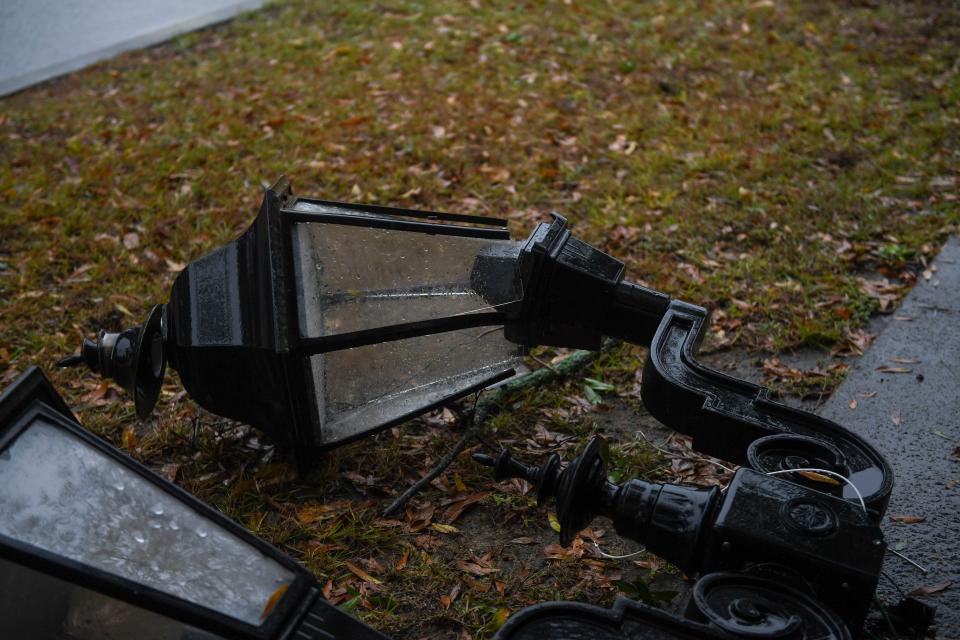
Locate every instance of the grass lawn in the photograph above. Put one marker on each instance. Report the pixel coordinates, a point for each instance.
(791, 165)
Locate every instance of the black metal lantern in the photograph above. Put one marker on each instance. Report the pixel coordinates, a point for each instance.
(94, 545)
(327, 321)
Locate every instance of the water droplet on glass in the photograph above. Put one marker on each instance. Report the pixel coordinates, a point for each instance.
(202, 532)
(139, 537)
(157, 509)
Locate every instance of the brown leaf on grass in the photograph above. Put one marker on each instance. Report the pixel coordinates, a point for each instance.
(360, 573)
(420, 520)
(129, 438)
(885, 293)
(908, 519)
(360, 481)
(523, 540)
(387, 523)
(372, 565)
(592, 534)
(516, 486)
(169, 471)
(447, 600)
(650, 562)
(316, 512)
(478, 567)
(444, 528)
(929, 590)
(495, 174)
(776, 370)
(402, 562)
(455, 510)
(856, 342)
(428, 542)
(557, 552)
(103, 394)
(316, 546)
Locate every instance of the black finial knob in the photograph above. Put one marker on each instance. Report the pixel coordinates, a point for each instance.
(134, 358)
(580, 487)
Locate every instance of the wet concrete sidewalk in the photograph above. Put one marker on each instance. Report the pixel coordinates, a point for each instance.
(41, 39)
(906, 390)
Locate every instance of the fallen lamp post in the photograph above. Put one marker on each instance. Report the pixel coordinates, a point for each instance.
(94, 545)
(326, 322)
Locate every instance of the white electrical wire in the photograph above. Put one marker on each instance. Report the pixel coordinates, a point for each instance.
(862, 505)
(612, 557)
(826, 472)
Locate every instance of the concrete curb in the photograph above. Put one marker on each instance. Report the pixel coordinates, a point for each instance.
(904, 397)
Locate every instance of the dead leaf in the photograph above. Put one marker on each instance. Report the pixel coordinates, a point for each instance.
(856, 342)
(169, 471)
(929, 590)
(444, 528)
(360, 573)
(402, 562)
(895, 419)
(818, 477)
(457, 508)
(315, 546)
(316, 512)
(852, 404)
(129, 438)
(903, 360)
(131, 241)
(523, 540)
(477, 568)
(447, 600)
(359, 480)
(428, 542)
(886, 369)
(495, 174)
(420, 520)
(175, 267)
(557, 552)
(908, 519)
(554, 523)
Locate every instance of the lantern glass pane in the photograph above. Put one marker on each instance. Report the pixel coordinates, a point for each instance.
(62, 495)
(365, 387)
(353, 278)
(42, 607)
